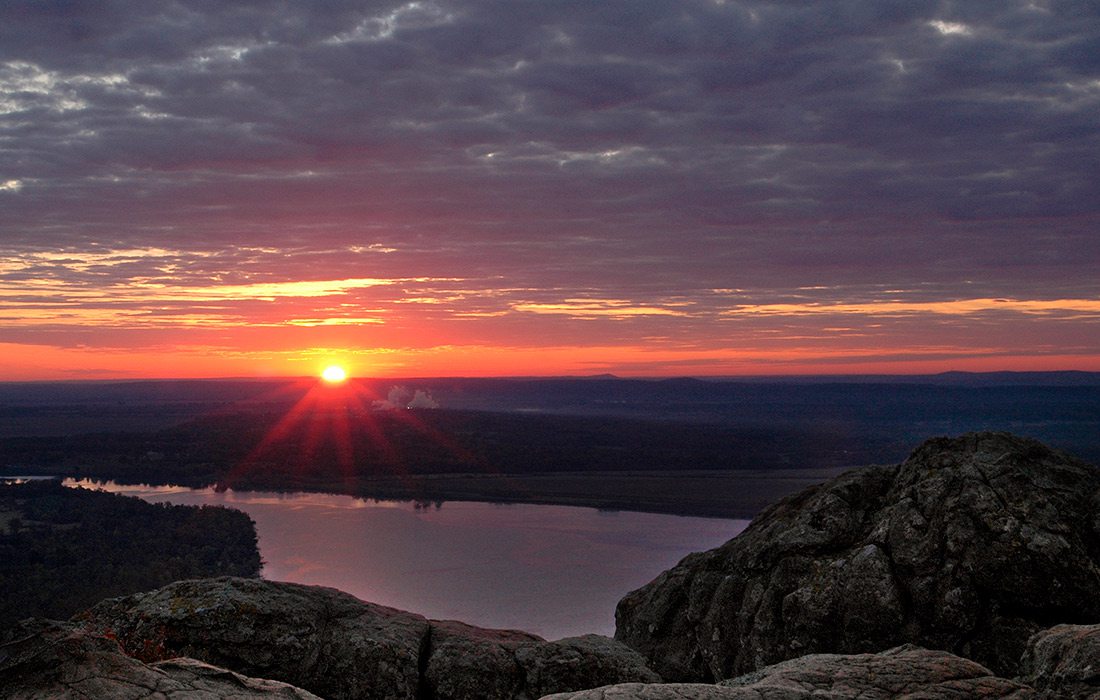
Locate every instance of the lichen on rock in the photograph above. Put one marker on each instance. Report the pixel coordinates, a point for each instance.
(59, 660)
(971, 545)
(338, 646)
(905, 671)
(1063, 662)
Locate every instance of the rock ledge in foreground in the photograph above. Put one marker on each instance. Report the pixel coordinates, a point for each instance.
(1064, 662)
(338, 646)
(902, 671)
(57, 660)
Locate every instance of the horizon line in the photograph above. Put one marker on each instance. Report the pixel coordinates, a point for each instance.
(549, 377)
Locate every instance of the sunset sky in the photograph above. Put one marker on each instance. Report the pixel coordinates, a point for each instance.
(543, 187)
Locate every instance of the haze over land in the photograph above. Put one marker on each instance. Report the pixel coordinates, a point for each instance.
(686, 446)
(443, 188)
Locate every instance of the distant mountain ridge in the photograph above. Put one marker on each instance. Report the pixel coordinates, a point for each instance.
(236, 388)
(952, 378)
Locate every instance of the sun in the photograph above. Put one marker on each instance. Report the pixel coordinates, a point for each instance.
(334, 374)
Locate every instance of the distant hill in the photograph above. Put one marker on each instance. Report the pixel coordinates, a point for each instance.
(220, 391)
(190, 431)
(1058, 378)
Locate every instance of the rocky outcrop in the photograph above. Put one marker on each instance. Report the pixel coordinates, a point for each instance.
(468, 663)
(337, 646)
(660, 691)
(327, 641)
(971, 545)
(1064, 662)
(893, 673)
(55, 660)
(576, 662)
(903, 671)
(465, 661)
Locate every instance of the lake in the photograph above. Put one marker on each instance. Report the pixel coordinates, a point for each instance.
(556, 571)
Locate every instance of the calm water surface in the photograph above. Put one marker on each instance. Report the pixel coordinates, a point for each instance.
(553, 570)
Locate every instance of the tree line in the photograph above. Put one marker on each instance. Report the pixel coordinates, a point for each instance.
(64, 549)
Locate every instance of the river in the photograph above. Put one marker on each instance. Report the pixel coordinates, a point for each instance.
(553, 570)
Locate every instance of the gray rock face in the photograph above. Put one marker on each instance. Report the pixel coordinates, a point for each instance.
(896, 672)
(578, 662)
(468, 663)
(340, 647)
(659, 691)
(970, 545)
(903, 671)
(317, 638)
(1064, 662)
(60, 661)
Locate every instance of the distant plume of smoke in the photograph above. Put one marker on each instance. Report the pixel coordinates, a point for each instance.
(402, 397)
(397, 398)
(422, 399)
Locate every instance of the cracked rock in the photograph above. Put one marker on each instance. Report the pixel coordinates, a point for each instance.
(322, 639)
(338, 646)
(469, 663)
(903, 671)
(56, 660)
(1063, 662)
(971, 545)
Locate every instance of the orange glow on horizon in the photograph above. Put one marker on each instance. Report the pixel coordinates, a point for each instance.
(25, 362)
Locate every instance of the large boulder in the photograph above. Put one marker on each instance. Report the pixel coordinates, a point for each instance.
(660, 691)
(322, 639)
(1064, 662)
(903, 671)
(580, 662)
(55, 660)
(470, 663)
(971, 545)
(340, 647)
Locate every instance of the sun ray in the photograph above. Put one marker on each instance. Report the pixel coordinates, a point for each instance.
(337, 433)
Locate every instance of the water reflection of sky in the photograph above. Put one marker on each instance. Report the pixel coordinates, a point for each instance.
(553, 570)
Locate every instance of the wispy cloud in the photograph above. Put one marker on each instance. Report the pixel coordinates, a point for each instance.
(1086, 307)
(596, 308)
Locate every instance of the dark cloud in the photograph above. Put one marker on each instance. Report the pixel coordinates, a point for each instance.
(621, 149)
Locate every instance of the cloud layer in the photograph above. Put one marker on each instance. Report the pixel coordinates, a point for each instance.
(845, 179)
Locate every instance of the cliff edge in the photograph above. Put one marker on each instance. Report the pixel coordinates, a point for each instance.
(971, 545)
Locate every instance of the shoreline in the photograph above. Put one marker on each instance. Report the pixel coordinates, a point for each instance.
(738, 495)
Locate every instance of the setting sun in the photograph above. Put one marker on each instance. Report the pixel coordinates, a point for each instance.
(334, 374)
